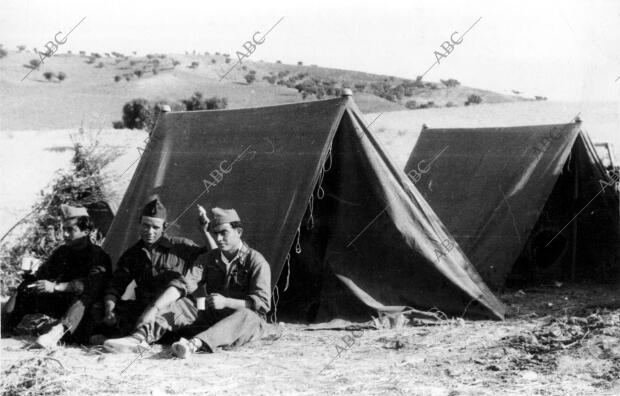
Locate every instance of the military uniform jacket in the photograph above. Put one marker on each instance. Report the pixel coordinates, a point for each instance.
(248, 277)
(170, 263)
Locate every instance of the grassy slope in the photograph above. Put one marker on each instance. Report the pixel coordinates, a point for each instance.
(90, 94)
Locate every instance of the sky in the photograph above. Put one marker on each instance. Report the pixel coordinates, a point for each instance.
(565, 50)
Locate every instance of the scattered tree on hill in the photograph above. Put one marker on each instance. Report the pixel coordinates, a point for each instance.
(175, 63)
(196, 102)
(411, 104)
(61, 76)
(82, 53)
(227, 60)
(99, 65)
(194, 65)
(138, 73)
(21, 48)
(48, 75)
(360, 87)
(271, 79)
(33, 64)
(3, 52)
(216, 103)
(250, 77)
(117, 78)
(278, 61)
(137, 114)
(213, 61)
(473, 99)
(450, 83)
(300, 63)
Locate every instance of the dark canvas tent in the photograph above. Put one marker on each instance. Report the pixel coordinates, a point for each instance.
(524, 203)
(310, 182)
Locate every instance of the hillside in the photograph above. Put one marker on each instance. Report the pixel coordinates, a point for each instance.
(90, 94)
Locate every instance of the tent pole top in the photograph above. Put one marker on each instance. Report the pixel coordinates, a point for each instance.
(347, 92)
(578, 120)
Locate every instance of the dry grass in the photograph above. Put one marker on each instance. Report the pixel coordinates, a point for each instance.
(450, 357)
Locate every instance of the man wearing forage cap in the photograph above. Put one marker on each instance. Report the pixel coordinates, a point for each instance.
(238, 279)
(68, 283)
(164, 271)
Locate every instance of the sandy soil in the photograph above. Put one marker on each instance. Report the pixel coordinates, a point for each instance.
(555, 341)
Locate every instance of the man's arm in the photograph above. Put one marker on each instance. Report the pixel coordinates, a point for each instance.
(121, 278)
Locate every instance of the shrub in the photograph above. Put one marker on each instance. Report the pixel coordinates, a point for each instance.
(196, 102)
(473, 99)
(118, 124)
(90, 60)
(250, 77)
(155, 71)
(3, 52)
(99, 65)
(300, 63)
(61, 76)
(81, 185)
(137, 114)
(48, 76)
(227, 60)
(33, 64)
(21, 48)
(217, 53)
(360, 87)
(117, 78)
(138, 73)
(411, 104)
(175, 63)
(82, 53)
(278, 61)
(194, 65)
(450, 104)
(213, 61)
(450, 83)
(244, 68)
(216, 103)
(132, 62)
(270, 79)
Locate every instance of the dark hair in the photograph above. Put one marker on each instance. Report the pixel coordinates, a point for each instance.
(236, 224)
(85, 223)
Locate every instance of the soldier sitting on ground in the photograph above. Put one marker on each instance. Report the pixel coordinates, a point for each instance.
(67, 284)
(238, 279)
(162, 268)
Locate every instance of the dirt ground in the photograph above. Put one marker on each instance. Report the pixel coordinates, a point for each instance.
(556, 340)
